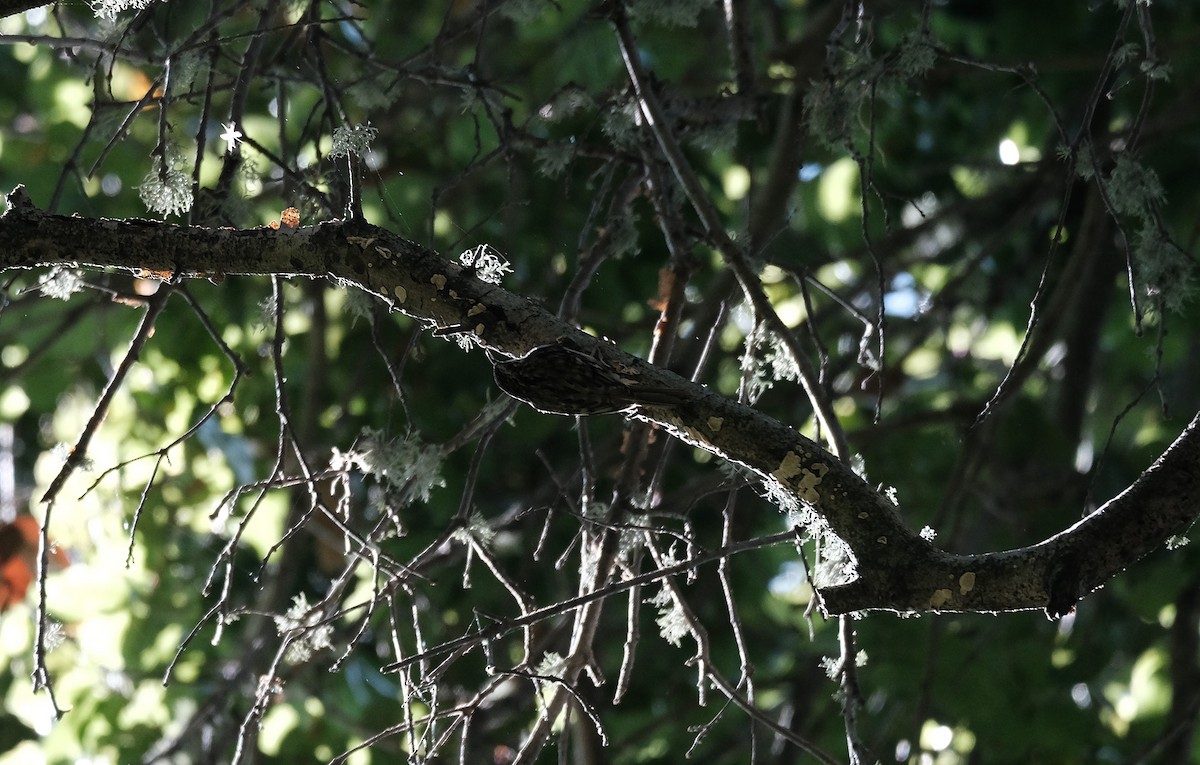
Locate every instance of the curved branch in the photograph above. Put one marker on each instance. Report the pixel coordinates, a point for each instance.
(1055, 573)
(896, 568)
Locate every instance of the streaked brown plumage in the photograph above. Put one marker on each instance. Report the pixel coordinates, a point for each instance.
(561, 379)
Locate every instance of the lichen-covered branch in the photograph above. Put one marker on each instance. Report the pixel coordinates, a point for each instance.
(894, 568)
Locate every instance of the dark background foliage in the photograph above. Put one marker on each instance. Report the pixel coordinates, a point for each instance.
(906, 180)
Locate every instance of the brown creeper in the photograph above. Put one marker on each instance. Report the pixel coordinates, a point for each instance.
(561, 379)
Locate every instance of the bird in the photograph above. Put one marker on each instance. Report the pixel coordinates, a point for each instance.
(559, 378)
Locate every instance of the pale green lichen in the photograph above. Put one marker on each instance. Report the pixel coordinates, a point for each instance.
(353, 139)
(167, 188)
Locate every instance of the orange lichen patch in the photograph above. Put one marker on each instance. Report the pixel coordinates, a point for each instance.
(966, 583)
(807, 487)
(793, 473)
(789, 468)
(290, 220)
(18, 559)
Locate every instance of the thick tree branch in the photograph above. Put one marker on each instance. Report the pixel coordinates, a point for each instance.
(896, 569)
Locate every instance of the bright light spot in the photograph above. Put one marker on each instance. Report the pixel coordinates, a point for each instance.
(922, 364)
(1054, 356)
(903, 300)
(939, 737)
(917, 210)
(278, 723)
(442, 225)
(14, 402)
(1167, 615)
(13, 355)
(742, 318)
(1066, 626)
(736, 182)
(1085, 455)
(791, 311)
(1010, 153)
(26, 752)
(772, 274)
(810, 171)
(999, 342)
(837, 191)
(790, 584)
(1081, 695)
(1127, 707)
(901, 303)
(232, 137)
(110, 184)
(71, 98)
(842, 271)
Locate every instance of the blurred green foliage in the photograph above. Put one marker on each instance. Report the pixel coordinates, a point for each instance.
(870, 168)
